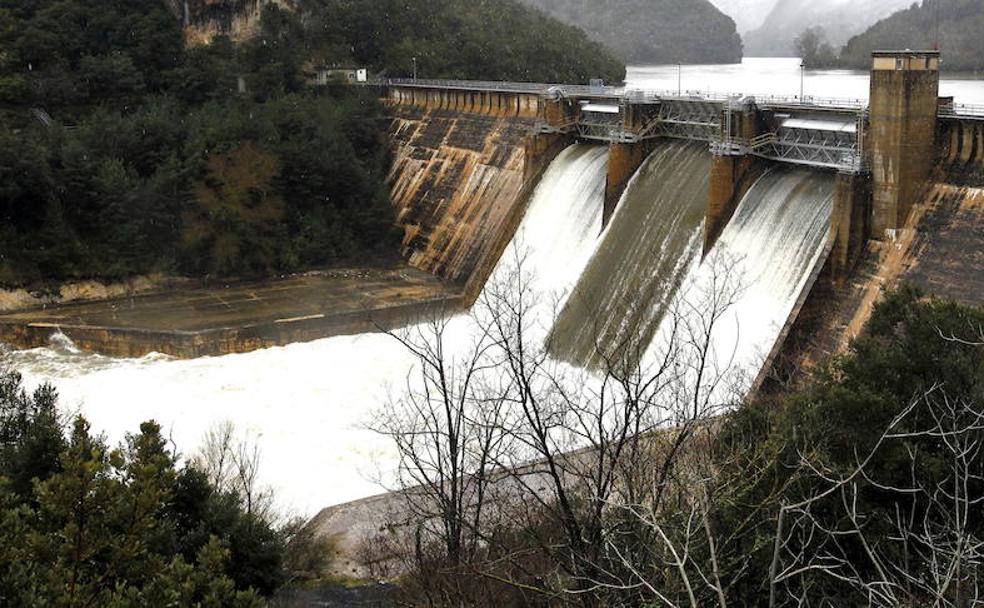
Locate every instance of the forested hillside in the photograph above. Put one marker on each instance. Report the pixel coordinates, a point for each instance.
(960, 26)
(653, 31)
(124, 152)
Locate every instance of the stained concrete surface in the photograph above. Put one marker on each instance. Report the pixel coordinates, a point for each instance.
(237, 317)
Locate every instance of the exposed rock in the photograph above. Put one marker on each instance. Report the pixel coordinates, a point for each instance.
(237, 19)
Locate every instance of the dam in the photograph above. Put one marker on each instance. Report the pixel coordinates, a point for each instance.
(621, 205)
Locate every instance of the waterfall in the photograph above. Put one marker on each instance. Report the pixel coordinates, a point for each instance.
(308, 402)
(759, 267)
(644, 252)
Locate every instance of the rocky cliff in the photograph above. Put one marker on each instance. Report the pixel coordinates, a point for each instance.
(206, 19)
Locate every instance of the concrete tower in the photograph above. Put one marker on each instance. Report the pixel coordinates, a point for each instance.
(901, 143)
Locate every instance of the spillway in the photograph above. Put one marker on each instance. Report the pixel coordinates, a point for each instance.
(308, 403)
(751, 280)
(646, 249)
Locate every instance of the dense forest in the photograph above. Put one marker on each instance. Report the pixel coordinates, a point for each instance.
(648, 32)
(124, 152)
(960, 25)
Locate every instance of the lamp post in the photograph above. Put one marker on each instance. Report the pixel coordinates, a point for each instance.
(802, 77)
(679, 80)
(414, 68)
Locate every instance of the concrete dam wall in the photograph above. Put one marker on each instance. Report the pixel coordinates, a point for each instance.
(464, 166)
(962, 149)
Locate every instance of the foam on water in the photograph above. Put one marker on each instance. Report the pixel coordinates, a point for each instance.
(755, 272)
(308, 403)
(646, 250)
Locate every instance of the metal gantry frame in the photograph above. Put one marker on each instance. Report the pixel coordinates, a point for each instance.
(696, 120)
(816, 148)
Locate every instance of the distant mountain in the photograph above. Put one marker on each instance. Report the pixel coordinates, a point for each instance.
(961, 27)
(840, 19)
(652, 31)
(748, 14)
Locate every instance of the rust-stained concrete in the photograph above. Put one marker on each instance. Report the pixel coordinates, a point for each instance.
(460, 181)
(198, 322)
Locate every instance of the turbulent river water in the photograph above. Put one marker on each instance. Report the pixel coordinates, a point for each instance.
(308, 404)
(754, 275)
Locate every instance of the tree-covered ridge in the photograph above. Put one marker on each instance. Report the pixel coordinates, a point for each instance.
(650, 32)
(465, 39)
(960, 25)
(122, 151)
(114, 133)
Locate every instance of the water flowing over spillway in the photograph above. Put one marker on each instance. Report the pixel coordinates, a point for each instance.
(647, 247)
(755, 273)
(308, 403)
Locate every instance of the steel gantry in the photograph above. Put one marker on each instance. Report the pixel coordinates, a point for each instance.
(696, 119)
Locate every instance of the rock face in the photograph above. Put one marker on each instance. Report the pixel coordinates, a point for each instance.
(206, 19)
(840, 19)
(652, 31)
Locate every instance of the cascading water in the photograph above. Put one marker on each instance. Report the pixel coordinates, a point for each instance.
(307, 403)
(755, 273)
(646, 249)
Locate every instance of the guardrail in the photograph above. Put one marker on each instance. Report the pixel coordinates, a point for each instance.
(631, 94)
(961, 109)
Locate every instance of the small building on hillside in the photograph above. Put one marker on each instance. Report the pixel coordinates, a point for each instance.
(325, 75)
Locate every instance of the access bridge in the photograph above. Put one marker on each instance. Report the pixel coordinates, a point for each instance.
(882, 150)
(811, 131)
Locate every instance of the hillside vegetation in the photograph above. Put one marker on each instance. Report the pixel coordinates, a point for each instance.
(961, 24)
(468, 39)
(653, 31)
(124, 152)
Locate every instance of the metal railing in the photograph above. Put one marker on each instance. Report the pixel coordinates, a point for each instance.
(642, 95)
(627, 94)
(963, 109)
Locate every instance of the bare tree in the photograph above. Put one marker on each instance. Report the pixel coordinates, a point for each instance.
(231, 462)
(513, 460)
(925, 550)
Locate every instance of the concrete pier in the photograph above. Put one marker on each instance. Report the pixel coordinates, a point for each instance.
(904, 108)
(850, 224)
(623, 162)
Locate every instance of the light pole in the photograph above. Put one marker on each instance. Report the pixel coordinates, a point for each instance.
(679, 80)
(414, 68)
(802, 77)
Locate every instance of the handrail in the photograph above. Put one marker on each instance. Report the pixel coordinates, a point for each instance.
(630, 94)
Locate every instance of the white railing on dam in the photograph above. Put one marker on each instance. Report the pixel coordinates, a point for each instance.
(643, 95)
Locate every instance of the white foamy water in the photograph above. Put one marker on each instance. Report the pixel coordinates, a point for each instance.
(756, 272)
(308, 403)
